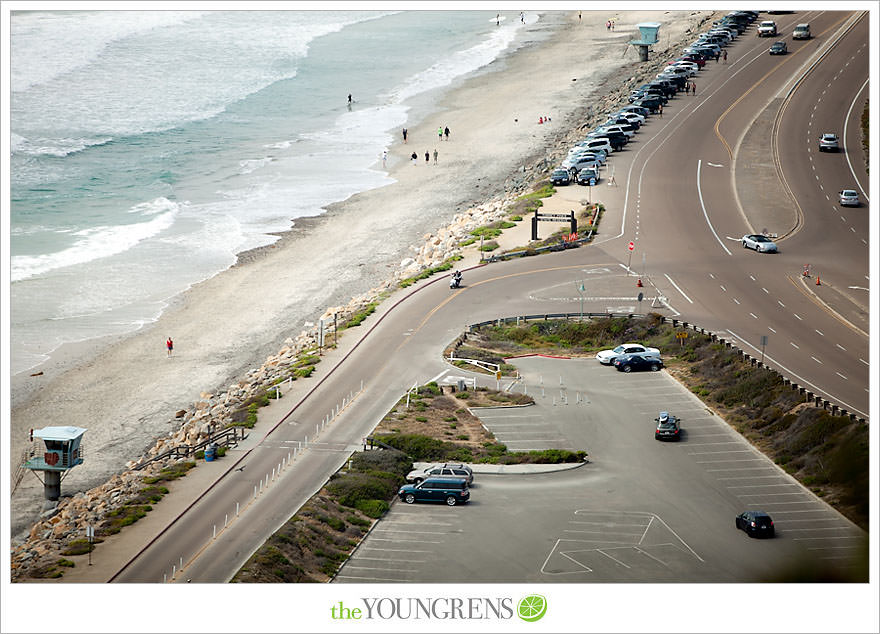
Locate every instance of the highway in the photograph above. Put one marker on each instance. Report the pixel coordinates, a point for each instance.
(681, 198)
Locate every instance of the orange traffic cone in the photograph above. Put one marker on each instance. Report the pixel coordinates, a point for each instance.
(817, 280)
(639, 283)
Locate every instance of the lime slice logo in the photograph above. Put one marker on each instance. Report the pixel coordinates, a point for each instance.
(532, 608)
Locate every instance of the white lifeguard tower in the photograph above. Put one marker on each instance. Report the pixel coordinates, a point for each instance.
(60, 451)
(649, 34)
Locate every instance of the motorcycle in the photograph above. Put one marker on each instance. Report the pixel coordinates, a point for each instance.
(455, 281)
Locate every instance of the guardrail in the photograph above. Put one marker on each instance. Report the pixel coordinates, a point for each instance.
(819, 401)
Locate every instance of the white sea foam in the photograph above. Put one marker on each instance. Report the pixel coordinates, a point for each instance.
(445, 71)
(59, 147)
(96, 242)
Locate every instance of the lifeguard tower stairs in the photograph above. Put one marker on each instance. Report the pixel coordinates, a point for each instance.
(54, 451)
(650, 32)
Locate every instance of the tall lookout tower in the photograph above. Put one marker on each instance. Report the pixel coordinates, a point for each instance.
(61, 451)
(649, 32)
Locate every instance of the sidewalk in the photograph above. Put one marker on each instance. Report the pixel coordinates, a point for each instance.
(519, 469)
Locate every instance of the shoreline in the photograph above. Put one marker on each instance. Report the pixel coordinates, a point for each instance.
(231, 322)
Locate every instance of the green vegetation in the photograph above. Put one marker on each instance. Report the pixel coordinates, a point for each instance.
(312, 544)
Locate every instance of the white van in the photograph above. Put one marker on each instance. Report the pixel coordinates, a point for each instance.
(801, 32)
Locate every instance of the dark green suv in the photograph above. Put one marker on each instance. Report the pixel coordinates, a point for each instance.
(450, 490)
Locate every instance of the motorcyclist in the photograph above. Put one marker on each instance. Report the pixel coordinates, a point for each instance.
(455, 282)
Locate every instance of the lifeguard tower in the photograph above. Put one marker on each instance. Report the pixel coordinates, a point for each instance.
(61, 450)
(650, 32)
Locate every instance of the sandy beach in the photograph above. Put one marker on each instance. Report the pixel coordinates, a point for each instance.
(126, 391)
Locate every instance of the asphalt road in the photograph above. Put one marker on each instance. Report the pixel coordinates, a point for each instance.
(641, 511)
(681, 211)
(685, 204)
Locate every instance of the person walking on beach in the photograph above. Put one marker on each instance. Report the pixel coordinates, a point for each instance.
(384, 157)
(497, 19)
(169, 345)
(440, 133)
(435, 156)
(446, 132)
(427, 156)
(415, 158)
(349, 99)
(404, 135)
(608, 25)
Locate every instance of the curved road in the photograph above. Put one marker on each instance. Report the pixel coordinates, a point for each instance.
(678, 201)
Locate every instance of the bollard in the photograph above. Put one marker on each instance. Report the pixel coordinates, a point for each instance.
(225, 520)
(173, 571)
(236, 509)
(273, 475)
(181, 563)
(542, 393)
(164, 577)
(255, 491)
(215, 532)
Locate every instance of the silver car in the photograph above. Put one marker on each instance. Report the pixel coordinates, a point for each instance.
(607, 357)
(849, 198)
(761, 244)
(828, 142)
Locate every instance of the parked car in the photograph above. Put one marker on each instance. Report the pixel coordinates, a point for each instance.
(651, 103)
(560, 176)
(755, 524)
(442, 470)
(639, 110)
(761, 244)
(779, 48)
(668, 427)
(828, 142)
(767, 28)
(637, 362)
(452, 491)
(801, 32)
(607, 357)
(632, 117)
(588, 176)
(599, 144)
(849, 198)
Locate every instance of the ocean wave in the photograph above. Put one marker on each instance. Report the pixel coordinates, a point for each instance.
(251, 165)
(461, 63)
(98, 242)
(53, 147)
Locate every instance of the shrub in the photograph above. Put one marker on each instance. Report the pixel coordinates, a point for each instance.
(304, 372)
(351, 488)
(373, 508)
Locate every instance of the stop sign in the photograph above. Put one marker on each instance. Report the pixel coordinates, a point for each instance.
(632, 245)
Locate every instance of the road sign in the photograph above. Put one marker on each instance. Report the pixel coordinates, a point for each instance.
(632, 245)
(497, 375)
(681, 335)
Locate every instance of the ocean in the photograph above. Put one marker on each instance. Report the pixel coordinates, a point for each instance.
(148, 148)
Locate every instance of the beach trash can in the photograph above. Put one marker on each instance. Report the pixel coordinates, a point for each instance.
(210, 452)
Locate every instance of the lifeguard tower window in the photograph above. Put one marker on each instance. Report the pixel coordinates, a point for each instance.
(649, 33)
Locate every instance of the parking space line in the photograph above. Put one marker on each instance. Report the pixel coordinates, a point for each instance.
(831, 528)
(652, 556)
(420, 541)
(347, 566)
(393, 550)
(710, 444)
(401, 561)
(409, 530)
(834, 547)
(701, 453)
(598, 550)
(597, 541)
(748, 477)
(806, 539)
(608, 524)
(757, 495)
(344, 576)
(761, 486)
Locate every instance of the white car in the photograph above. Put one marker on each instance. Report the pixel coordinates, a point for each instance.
(631, 116)
(767, 28)
(607, 357)
(616, 128)
(849, 198)
(760, 243)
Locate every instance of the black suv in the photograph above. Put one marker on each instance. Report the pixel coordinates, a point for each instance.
(450, 490)
(755, 524)
(637, 362)
(560, 176)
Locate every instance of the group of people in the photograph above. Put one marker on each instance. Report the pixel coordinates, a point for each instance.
(441, 132)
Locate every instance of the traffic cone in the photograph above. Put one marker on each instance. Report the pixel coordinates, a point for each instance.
(639, 283)
(817, 280)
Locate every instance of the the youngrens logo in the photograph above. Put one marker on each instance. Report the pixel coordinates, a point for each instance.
(530, 608)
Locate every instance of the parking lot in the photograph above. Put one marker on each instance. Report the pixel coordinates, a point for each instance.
(641, 510)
